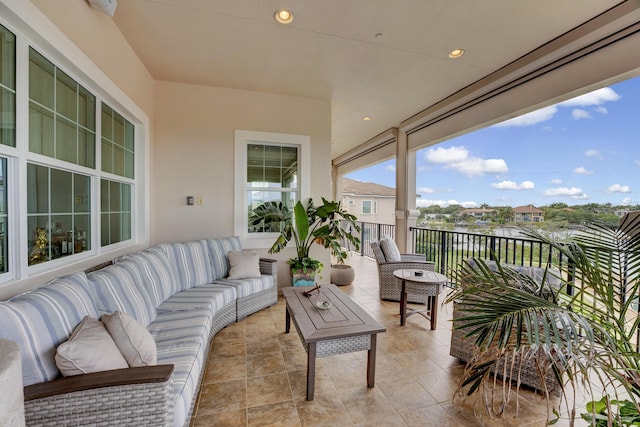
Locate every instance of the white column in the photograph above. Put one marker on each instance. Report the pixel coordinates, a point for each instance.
(11, 392)
(406, 213)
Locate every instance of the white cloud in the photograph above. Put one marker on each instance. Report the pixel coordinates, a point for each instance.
(538, 116)
(602, 110)
(572, 193)
(617, 188)
(425, 190)
(459, 159)
(581, 170)
(637, 162)
(510, 185)
(591, 153)
(626, 201)
(444, 203)
(556, 181)
(597, 97)
(578, 114)
(446, 155)
(390, 168)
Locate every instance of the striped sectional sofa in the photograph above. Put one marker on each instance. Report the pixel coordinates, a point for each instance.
(179, 291)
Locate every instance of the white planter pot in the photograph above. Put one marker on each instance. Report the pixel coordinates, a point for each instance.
(342, 274)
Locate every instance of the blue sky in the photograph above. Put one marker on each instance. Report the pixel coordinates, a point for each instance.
(584, 150)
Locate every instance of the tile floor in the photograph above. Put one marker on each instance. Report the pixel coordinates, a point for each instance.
(256, 374)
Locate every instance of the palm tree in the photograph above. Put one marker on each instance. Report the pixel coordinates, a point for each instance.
(585, 331)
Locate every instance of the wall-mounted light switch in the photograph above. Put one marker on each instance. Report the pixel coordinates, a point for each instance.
(200, 201)
(189, 200)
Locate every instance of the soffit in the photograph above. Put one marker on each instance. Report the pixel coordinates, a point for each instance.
(330, 51)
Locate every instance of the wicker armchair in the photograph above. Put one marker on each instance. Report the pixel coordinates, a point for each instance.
(389, 289)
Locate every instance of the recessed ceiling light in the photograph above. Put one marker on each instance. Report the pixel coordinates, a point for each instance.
(366, 118)
(283, 16)
(456, 53)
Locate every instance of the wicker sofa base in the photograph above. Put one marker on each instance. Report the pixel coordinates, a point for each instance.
(255, 302)
(464, 349)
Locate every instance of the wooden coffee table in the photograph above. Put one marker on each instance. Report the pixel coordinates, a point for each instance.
(342, 328)
(428, 283)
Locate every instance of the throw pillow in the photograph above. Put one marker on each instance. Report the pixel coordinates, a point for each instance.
(90, 348)
(390, 249)
(243, 264)
(132, 339)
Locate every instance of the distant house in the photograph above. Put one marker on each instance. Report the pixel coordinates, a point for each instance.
(528, 214)
(478, 213)
(621, 213)
(369, 202)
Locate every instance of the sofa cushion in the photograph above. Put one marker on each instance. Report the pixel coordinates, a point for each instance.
(211, 296)
(390, 249)
(218, 250)
(90, 348)
(246, 287)
(175, 327)
(191, 263)
(243, 264)
(41, 319)
(120, 287)
(132, 339)
(155, 271)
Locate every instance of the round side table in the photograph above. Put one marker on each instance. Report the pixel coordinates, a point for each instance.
(423, 282)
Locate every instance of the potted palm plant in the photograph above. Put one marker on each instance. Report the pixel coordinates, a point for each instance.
(327, 225)
(587, 328)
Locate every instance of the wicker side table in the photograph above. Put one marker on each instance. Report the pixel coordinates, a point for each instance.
(423, 282)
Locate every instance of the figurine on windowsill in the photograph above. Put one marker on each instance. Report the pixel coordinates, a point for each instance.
(38, 252)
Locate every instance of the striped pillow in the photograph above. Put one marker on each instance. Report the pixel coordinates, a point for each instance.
(42, 319)
(218, 250)
(119, 287)
(191, 263)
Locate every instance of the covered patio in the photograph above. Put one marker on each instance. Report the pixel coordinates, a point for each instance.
(256, 374)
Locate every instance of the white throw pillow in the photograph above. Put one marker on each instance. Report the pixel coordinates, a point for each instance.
(390, 249)
(90, 348)
(243, 264)
(133, 340)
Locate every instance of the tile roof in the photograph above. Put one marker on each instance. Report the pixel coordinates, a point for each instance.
(351, 186)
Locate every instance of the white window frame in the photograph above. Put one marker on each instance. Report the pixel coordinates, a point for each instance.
(374, 207)
(240, 216)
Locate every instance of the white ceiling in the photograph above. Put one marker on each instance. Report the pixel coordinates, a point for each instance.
(331, 52)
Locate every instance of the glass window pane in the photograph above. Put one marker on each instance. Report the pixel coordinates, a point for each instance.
(129, 167)
(114, 224)
(82, 233)
(41, 81)
(66, 96)
(7, 58)
(118, 160)
(7, 116)
(66, 140)
(86, 108)
(256, 198)
(272, 156)
(37, 189)
(82, 193)
(125, 225)
(118, 129)
(107, 156)
(61, 191)
(104, 195)
(104, 230)
(129, 134)
(126, 197)
(107, 122)
(114, 196)
(86, 152)
(61, 236)
(41, 130)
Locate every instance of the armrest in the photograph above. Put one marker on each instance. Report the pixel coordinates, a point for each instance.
(413, 257)
(116, 377)
(131, 396)
(268, 266)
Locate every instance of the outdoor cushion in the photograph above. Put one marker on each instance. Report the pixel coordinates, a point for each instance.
(211, 296)
(132, 339)
(155, 271)
(243, 264)
(246, 287)
(390, 249)
(41, 319)
(218, 250)
(119, 287)
(191, 263)
(90, 348)
(177, 327)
